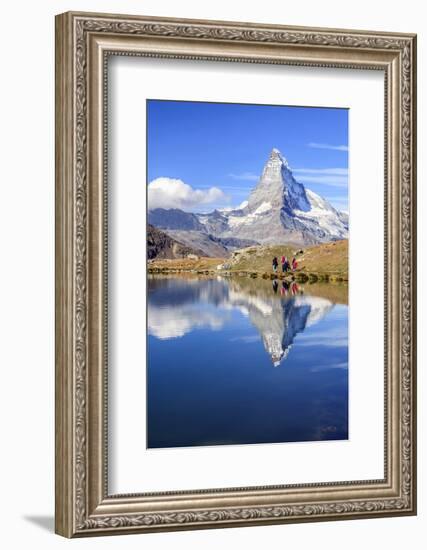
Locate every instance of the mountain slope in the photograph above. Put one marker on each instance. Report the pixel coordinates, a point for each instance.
(208, 244)
(174, 219)
(162, 246)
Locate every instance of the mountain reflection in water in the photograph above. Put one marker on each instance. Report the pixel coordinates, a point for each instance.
(211, 347)
(277, 309)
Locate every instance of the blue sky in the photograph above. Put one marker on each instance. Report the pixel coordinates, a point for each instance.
(210, 155)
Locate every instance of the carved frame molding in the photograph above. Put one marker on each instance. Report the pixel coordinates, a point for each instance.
(83, 43)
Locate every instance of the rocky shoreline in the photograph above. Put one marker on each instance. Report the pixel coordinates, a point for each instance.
(298, 276)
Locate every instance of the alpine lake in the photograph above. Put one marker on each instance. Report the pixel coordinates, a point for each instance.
(234, 360)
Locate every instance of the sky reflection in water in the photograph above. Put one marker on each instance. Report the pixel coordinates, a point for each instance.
(241, 361)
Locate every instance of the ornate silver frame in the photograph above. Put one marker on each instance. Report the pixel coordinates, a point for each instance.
(83, 42)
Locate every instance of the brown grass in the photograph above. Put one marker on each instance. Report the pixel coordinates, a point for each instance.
(185, 264)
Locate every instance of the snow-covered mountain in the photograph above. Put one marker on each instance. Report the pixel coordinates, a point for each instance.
(279, 210)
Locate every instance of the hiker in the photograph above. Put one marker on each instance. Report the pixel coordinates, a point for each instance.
(275, 264)
(283, 261)
(294, 263)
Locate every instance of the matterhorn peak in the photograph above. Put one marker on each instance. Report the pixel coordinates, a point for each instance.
(277, 155)
(277, 187)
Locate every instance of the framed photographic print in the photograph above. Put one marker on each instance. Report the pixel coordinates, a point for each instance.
(235, 274)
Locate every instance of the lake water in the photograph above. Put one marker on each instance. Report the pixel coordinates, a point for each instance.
(240, 361)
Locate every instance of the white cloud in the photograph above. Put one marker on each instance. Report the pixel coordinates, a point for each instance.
(175, 322)
(247, 339)
(328, 146)
(333, 181)
(174, 193)
(329, 171)
(335, 177)
(328, 366)
(245, 176)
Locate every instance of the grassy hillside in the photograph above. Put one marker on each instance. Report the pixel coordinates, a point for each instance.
(329, 259)
(321, 262)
